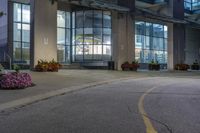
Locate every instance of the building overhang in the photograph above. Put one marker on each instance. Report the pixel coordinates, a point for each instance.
(154, 15)
(149, 3)
(98, 5)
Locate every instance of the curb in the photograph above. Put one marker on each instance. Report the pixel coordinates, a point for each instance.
(33, 99)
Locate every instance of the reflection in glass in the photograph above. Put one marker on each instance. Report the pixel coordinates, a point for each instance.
(98, 19)
(95, 34)
(25, 52)
(26, 33)
(17, 12)
(150, 42)
(17, 32)
(61, 19)
(17, 51)
(61, 53)
(107, 19)
(21, 33)
(26, 13)
(79, 19)
(61, 36)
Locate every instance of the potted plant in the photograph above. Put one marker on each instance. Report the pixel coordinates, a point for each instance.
(134, 66)
(182, 67)
(44, 66)
(154, 65)
(195, 65)
(16, 68)
(125, 66)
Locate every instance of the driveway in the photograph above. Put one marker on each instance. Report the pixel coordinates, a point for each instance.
(144, 105)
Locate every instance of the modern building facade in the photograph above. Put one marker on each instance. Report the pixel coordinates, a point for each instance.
(92, 33)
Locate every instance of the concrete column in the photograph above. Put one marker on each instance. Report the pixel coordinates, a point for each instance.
(179, 43)
(44, 31)
(170, 47)
(123, 39)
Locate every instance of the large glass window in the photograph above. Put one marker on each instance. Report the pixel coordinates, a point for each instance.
(192, 5)
(84, 36)
(21, 33)
(150, 42)
(63, 36)
(91, 35)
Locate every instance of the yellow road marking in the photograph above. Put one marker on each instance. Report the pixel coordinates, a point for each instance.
(147, 121)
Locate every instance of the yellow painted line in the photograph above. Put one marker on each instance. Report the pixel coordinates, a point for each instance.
(147, 121)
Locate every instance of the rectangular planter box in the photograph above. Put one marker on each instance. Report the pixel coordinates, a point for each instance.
(155, 67)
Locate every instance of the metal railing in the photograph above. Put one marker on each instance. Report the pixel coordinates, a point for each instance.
(7, 56)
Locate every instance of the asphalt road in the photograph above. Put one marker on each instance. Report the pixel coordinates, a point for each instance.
(149, 105)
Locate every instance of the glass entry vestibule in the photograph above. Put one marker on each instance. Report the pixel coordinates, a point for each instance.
(151, 42)
(84, 36)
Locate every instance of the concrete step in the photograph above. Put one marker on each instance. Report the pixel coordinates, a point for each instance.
(71, 66)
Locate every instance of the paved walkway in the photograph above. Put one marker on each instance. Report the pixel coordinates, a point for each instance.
(75, 79)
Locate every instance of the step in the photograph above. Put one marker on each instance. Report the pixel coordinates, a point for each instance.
(71, 66)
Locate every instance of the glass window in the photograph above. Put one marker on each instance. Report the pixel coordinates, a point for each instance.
(21, 33)
(64, 36)
(17, 51)
(61, 53)
(158, 30)
(61, 19)
(88, 36)
(148, 29)
(106, 19)
(150, 42)
(68, 20)
(140, 27)
(17, 12)
(26, 33)
(17, 31)
(91, 34)
(88, 19)
(79, 19)
(106, 36)
(61, 36)
(79, 36)
(98, 19)
(26, 13)
(25, 52)
(88, 51)
(97, 36)
(165, 32)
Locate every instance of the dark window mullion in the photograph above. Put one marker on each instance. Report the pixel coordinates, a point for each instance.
(83, 45)
(93, 35)
(65, 28)
(102, 34)
(21, 32)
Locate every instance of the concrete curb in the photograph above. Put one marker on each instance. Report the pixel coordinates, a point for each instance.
(33, 99)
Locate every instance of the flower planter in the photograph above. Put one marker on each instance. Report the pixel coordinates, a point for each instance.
(15, 81)
(155, 67)
(195, 67)
(182, 67)
(126, 67)
(44, 66)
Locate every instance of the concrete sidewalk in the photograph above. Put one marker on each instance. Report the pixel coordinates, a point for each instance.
(52, 84)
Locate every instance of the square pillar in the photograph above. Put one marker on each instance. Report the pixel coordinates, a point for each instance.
(44, 31)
